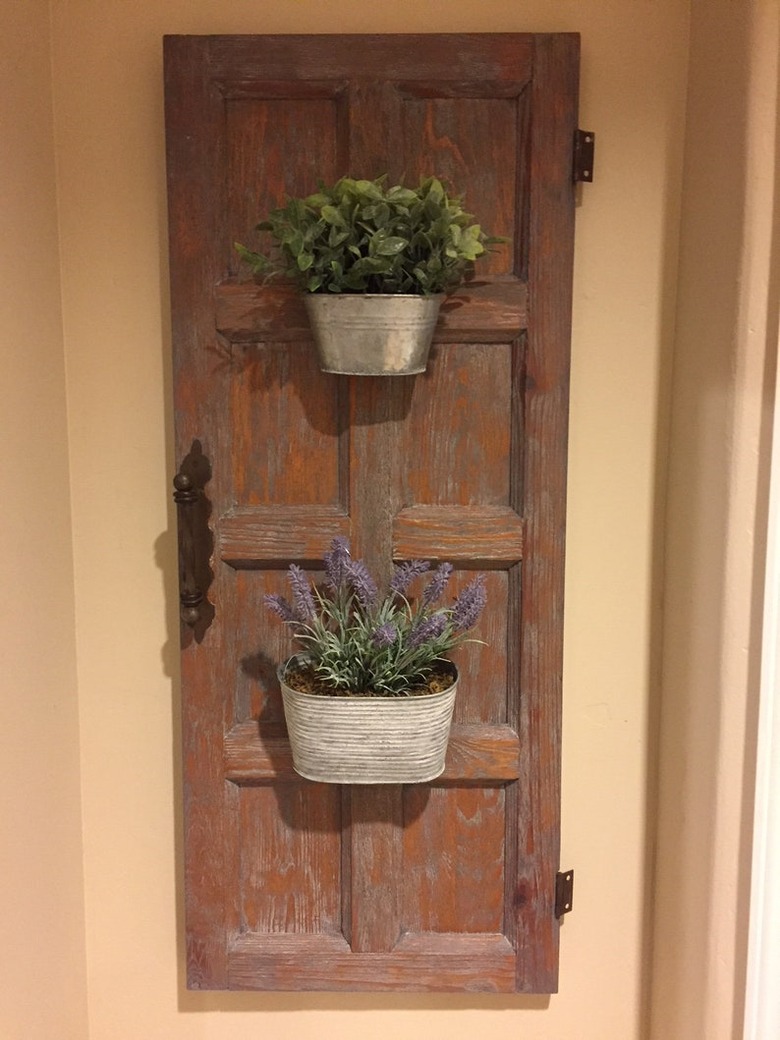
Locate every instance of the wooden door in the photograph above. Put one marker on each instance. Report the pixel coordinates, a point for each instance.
(298, 885)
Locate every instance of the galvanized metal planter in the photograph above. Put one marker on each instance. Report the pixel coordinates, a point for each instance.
(368, 740)
(371, 334)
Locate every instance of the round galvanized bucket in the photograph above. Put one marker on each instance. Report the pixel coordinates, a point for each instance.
(372, 334)
(368, 740)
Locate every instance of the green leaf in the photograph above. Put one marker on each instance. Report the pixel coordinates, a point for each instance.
(472, 252)
(390, 246)
(371, 189)
(421, 242)
(370, 265)
(257, 262)
(296, 210)
(336, 237)
(382, 214)
(333, 216)
(352, 280)
(401, 196)
(317, 201)
(431, 210)
(434, 189)
(292, 240)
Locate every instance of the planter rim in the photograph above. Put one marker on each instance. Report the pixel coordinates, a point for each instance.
(372, 296)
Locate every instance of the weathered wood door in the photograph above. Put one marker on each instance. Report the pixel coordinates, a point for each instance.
(297, 885)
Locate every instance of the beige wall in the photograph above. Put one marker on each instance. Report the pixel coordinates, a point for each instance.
(729, 285)
(42, 963)
(109, 147)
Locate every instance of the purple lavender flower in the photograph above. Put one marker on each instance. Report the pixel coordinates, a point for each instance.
(469, 604)
(404, 575)
(385, 635)
(280, 606)
(336, 562)
(438, 583)
(362, 583)
(360, 641)
(302, 596)
(427, 630)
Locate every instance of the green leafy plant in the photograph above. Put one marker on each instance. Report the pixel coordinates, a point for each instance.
(359, 236)
(356, 643)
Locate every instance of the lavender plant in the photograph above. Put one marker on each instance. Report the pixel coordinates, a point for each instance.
(356, 642)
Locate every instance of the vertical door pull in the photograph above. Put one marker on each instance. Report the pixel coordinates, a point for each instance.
(186, 496)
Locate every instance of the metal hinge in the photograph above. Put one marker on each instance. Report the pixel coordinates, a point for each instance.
(584, 148)
(564, 892)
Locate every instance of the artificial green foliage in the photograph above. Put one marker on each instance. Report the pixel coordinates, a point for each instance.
(362, 237)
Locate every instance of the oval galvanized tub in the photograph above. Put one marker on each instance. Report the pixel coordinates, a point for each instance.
(368, 740)
(371, 334)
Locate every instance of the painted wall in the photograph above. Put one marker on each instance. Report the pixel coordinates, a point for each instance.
(109, 146)
(110, 151)
(42, 961)
(109, 142)
(729, 288)
(107, 91)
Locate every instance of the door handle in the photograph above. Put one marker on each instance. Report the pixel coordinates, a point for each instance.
(196, 541)
(187, 496)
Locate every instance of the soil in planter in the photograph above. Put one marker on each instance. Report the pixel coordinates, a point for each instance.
(304, 679)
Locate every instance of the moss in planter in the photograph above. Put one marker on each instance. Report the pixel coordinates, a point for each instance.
(304, 679)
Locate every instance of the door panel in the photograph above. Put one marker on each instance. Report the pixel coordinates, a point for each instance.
(444, 886)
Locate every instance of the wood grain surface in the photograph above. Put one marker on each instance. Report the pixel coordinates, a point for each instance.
(446, 886)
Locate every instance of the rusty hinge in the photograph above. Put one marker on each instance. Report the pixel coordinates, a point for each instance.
(584, 148)
(564, 892)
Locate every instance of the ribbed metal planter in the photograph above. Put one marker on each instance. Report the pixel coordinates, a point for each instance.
(372, 334)
(368, 740)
